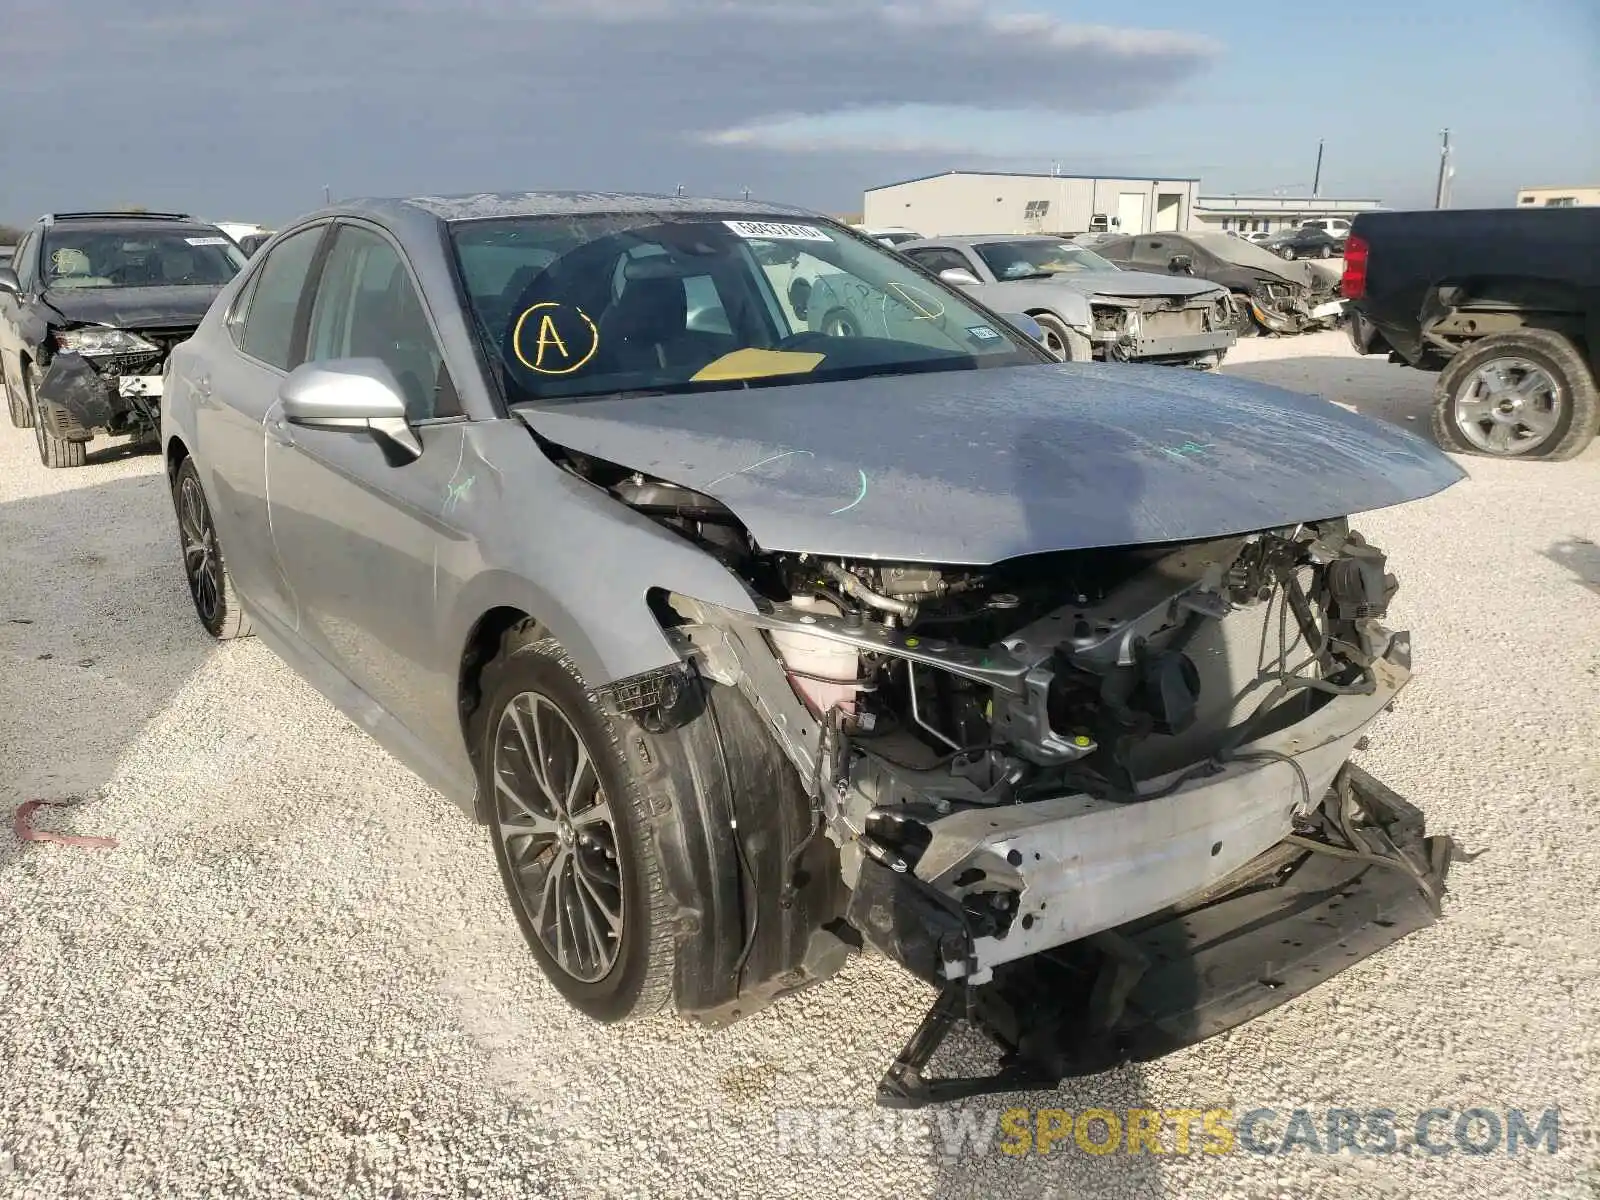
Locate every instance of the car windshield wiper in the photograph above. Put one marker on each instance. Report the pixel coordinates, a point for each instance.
(1032, 275)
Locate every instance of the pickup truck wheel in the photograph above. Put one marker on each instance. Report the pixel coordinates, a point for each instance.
(1064, 343)
(55, 450)
(1527, 394)
(21, 412)
(572, 832)
(210, 586)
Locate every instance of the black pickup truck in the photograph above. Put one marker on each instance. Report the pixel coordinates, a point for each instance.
(1503, 303)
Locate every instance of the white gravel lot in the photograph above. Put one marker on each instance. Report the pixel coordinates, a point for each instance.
(297, 975)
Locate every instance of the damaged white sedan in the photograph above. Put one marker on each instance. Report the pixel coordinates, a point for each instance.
(756, 646)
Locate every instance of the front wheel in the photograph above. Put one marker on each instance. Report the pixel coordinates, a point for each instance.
(210, 586)
(1064, 343)
(1528, 394)
(51, 433)
(1325, 252)
(1289, 253)
(572, 833)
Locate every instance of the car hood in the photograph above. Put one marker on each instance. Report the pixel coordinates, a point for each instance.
(973, 467)
(1139, 284)
(135, 307)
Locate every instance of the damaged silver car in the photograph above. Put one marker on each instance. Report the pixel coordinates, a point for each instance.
(757, 646)
(1087, 306)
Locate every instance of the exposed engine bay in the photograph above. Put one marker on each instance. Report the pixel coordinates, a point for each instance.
(1165, 330)
(1027, 768)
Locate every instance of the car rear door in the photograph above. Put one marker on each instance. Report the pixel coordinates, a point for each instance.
(234, 387)
(357, 532)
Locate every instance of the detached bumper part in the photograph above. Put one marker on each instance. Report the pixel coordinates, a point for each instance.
(1272, 930)
(93, 400)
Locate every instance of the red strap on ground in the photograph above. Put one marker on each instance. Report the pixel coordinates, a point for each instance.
(19, 825)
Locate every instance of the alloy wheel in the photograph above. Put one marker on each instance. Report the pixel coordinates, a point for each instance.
(202, 565)
(559, 837)
(1508, 406)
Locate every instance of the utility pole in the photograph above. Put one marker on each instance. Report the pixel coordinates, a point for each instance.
(1316, 179)
(326, 197)
(1441, 196)
(747, 194)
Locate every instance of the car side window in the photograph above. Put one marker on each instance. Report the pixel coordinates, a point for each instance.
(275, 298)
(938, 258)
(367, 307)
(27, 276)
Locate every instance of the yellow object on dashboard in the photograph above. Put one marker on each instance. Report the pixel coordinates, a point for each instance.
(753, 363)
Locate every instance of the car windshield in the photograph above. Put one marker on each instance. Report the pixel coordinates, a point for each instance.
(89, 258)
(1039, 256)
(577, 307)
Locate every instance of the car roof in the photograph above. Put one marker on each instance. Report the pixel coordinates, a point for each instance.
(132, 222)
(491, 205)
(981, 239)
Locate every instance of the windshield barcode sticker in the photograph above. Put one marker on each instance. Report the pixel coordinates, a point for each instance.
(207, 241)
(778, 231)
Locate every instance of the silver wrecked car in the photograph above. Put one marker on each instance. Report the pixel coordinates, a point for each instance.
(1087, 306)
(755, 646)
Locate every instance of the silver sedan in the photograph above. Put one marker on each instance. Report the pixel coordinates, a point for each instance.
(762, 622)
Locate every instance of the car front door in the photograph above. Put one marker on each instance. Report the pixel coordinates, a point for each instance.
(233, 393)
(357, 531)
(14, 313)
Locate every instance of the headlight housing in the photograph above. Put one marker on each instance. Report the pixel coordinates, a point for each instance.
(98, 342)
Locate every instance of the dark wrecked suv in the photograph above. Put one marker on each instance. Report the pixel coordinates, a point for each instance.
(90, 306)
(758, 639)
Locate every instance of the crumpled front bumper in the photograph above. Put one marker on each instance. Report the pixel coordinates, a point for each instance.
(1080, 865)
(93, 399)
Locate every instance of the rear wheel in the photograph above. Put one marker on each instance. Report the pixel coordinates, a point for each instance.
(17, 404)
(1325, 252)
(1064, 343)
(61, 442)
(1527, 395)
(210, 586)
(572, 833)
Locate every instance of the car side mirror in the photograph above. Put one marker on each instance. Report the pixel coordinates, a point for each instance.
(1182, 264)
(350, 393)
(959, 277)
(1025, 325)
(9, 283)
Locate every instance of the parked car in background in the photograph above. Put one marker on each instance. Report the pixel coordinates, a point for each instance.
(1503, 303)
(1304, 242)
(1271, 293)
(754, 645)
(1088, 307)
(888, 235)
(90, 307)
(1338, 228)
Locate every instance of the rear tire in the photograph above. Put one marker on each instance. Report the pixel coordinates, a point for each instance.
(211, 589)
(18, 406)
(49, 430)
(1526, 395)
(574, 837)
(1064, 343)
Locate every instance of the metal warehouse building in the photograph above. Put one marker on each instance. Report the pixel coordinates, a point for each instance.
(1003, 202)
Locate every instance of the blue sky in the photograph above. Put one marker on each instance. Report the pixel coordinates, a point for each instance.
(246, 111)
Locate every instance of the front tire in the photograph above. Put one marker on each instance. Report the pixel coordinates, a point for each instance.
(1527, 394)
(571, 827)
(216, 602)
(61, 443)
(1064, 343)
(1289, 253)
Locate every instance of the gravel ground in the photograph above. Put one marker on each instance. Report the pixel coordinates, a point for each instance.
(297, 975)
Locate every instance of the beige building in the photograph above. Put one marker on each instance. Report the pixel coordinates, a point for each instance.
(1002, 202)
(1559, 197)
(1269, 214)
